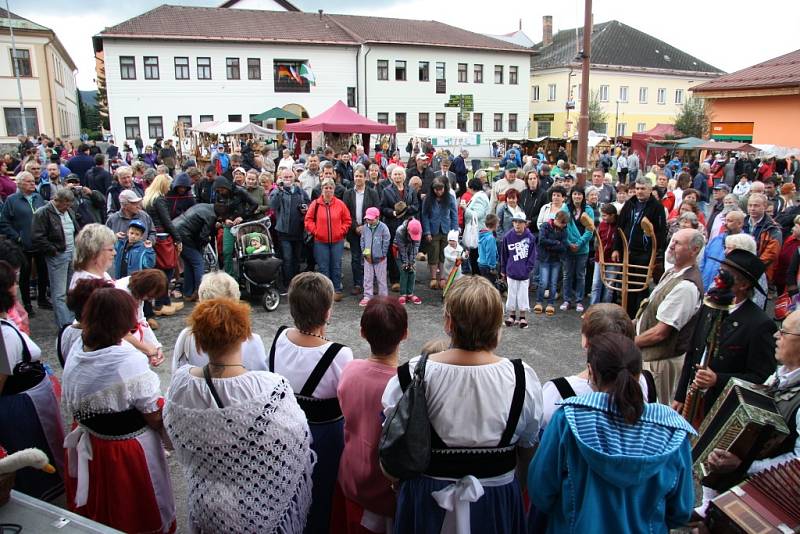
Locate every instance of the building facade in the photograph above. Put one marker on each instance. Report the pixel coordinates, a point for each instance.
(47, 78)
(637, 80)
(759, 104)
(414, 74)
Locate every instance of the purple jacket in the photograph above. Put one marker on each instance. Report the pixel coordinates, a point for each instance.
(518, 254)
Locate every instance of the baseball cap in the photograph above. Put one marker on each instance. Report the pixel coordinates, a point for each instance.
(723, 187)
(129, 196)
(452, 235)
(136, 223)
(519, 216)
(372, 213)
(511, 166)
(415, 229)
(73, 178)
(239, 169)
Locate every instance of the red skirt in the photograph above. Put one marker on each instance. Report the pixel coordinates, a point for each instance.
(129, 485)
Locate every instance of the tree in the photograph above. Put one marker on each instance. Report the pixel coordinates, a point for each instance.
(598, 120)
(693, 119)
(102, 96)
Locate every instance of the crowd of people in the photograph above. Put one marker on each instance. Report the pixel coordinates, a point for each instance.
(298, 417)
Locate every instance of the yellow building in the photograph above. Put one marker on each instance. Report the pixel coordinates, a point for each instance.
(639, 80)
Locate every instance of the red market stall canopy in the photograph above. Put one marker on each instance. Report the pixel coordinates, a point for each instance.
(640, 140)
(340, 119)
(727, 146)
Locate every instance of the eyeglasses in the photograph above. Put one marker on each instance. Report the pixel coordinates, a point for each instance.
(783, 332)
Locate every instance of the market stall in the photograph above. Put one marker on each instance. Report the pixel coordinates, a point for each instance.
(640, 141)
(201, 139)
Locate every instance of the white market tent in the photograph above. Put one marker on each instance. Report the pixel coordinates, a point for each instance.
(446, 137)
(233, 128)
(776, 151)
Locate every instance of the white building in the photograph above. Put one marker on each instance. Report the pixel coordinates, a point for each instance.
(195, 64)
(47, 77)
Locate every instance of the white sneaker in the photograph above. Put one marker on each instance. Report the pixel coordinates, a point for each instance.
(564, 306)
(579, 308)
(547, 293)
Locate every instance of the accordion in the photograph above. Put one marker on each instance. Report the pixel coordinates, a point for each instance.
(744, 421)
(768, 503)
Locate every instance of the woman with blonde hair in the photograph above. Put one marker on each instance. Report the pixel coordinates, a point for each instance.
(485, 411)
(168, 239)
(94, 253)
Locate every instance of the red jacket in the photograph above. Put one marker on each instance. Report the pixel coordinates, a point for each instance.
(328, 223)
(606, 234)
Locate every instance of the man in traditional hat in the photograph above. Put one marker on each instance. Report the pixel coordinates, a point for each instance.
(746, 342)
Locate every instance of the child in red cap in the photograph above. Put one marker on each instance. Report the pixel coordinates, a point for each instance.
(407, 240)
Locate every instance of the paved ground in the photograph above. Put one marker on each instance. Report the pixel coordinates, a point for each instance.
(551, 345)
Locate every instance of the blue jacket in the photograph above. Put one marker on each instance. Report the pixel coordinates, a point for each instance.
(594, 473)
(552, 242)
(376, 240)
(511, 155)
(700, 183)
(288, 217)
(407, 248)
(487, 249)
(17, 217)
(709, 267)
(439, 217)
(576, 233)
(518, 254)
(137, 257)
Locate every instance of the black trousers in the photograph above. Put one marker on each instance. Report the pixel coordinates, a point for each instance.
(33, 259)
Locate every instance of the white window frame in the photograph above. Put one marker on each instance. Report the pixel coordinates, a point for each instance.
(661, 95)
(679, 96)
(535, 93)
(603, 93)
(623, 93)
(643, 95)
(551, 92)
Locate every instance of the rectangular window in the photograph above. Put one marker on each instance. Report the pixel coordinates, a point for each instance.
(351, 97)
(621, 127)
(603, 96)
(383, 69)
(235, 118)
(440, 120)
(641, 126)
(643, 95)
(424, 120)
(131, 127)
(155, 127)
(551, 92)
(462, 73)
(513, 72)
(535, 93)
(498, 122)
(461, 121)
(186, 120)
(127, 67)
(206, 118)
(477, 73)
(400, 122)
(383, 118)
(441, 81)
(150, 68)
(399, 70)
(22, 63)
(232, 68)
(253, 68)
(14, 121)
(662, 95)
(424, 71)
(512, 122)
(204, 68)
(623, 93)
(498, 74)
(286, 76)
(181, 68)
(543, 128)
(679, 96)
(477, 122)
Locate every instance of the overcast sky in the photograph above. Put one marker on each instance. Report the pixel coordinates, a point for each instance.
(728, 35)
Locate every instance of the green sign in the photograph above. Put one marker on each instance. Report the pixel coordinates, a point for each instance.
(465, 102)
(544, 117)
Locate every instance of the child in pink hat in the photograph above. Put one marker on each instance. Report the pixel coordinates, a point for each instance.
(407, 239)
(375, 240)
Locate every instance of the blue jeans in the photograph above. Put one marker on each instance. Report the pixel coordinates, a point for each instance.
(193, 268)
(548, 279)
(329, 261)
(59, 271)
(575, 277)
(290, 252)
(600, 293)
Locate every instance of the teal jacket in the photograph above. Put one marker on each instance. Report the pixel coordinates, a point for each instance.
(576, 233)
(595, 473)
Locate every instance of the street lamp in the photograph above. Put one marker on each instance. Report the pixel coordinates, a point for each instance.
(616, 123)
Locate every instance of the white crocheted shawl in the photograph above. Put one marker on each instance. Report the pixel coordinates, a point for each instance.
(248, 465)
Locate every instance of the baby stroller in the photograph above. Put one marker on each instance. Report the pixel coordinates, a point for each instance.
(257, 269)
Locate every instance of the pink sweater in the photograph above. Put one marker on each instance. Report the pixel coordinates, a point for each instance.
(360, 476)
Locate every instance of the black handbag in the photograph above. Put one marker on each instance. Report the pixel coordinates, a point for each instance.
(27, 373)
(405, 446)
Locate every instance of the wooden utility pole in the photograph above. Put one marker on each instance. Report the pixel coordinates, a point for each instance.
(583, 119)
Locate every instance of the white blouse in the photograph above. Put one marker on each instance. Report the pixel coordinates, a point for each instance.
(82, 275)
(192, 391)
(13, 352)
(296, 363)
(186, 352)
(468, 405)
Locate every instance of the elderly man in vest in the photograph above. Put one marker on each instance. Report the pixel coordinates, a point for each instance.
(663, 326)
(746, 344)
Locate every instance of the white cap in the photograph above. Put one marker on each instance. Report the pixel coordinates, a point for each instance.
(452, 235)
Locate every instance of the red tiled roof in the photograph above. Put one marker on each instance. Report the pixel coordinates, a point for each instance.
(220, 24)
(782, 71)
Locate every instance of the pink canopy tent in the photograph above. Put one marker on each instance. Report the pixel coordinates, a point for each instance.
(640, 141)
(340, 119)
